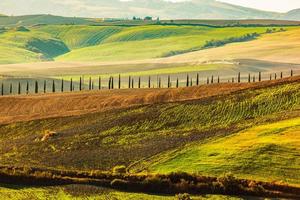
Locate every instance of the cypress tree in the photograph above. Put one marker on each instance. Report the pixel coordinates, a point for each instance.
(191, 81)
(270, 77)
(10, 88)
(212, 79)
(119, 81)
(36, 87)
(159, 82)
(45, 86)
(139, 82)
(207, 82)
(109, 83)
(177, 83)
(129, 82)
(253, 78)
(99, 83)
(2, 89)
(187, 81)
(90, 83)
(80, 84)
(197, 81)
(112, 82)
(281, 75)
(71, 85)
(169, 82)
(62, 85)
(275, 76)
(53, 86)
(19, 88)
(132, 82)
(249, 78)
(239, 77)
(292, 73)
(232, 80)
(259, 76)
(149, 82)
(218, 79)
(27, 88)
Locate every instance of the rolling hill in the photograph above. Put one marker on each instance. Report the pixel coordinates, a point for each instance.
(85, 134)
(242, 128)
(153, 42)
(22, 44)
(108, 43)
(195, 9)
(138, 51)
(292, 15)
(249, 153)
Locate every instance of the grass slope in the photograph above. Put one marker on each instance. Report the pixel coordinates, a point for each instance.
(80, 36)
(28, 46)
(267, 152)
(124, 136)
(157, 41)
(267, 48)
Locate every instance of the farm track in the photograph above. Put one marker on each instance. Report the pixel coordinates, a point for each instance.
(33, 107)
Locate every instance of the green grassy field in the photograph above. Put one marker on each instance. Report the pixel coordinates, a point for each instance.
(29, 46)
(261, 152)
(153, 42)
(108, 43)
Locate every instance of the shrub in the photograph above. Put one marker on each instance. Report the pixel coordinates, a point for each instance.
(230, 183)
(22, 29)
(184, 196)
(121, 169)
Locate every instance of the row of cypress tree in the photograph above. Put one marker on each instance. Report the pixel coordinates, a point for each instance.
(131, 81)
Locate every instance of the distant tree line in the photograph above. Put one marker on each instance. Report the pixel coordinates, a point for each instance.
(218, 43)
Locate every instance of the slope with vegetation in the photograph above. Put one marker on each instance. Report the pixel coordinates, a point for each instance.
(243, 129)
(103, 140)
(261, 152)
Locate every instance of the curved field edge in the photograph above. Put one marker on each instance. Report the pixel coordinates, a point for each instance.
(267, 152)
